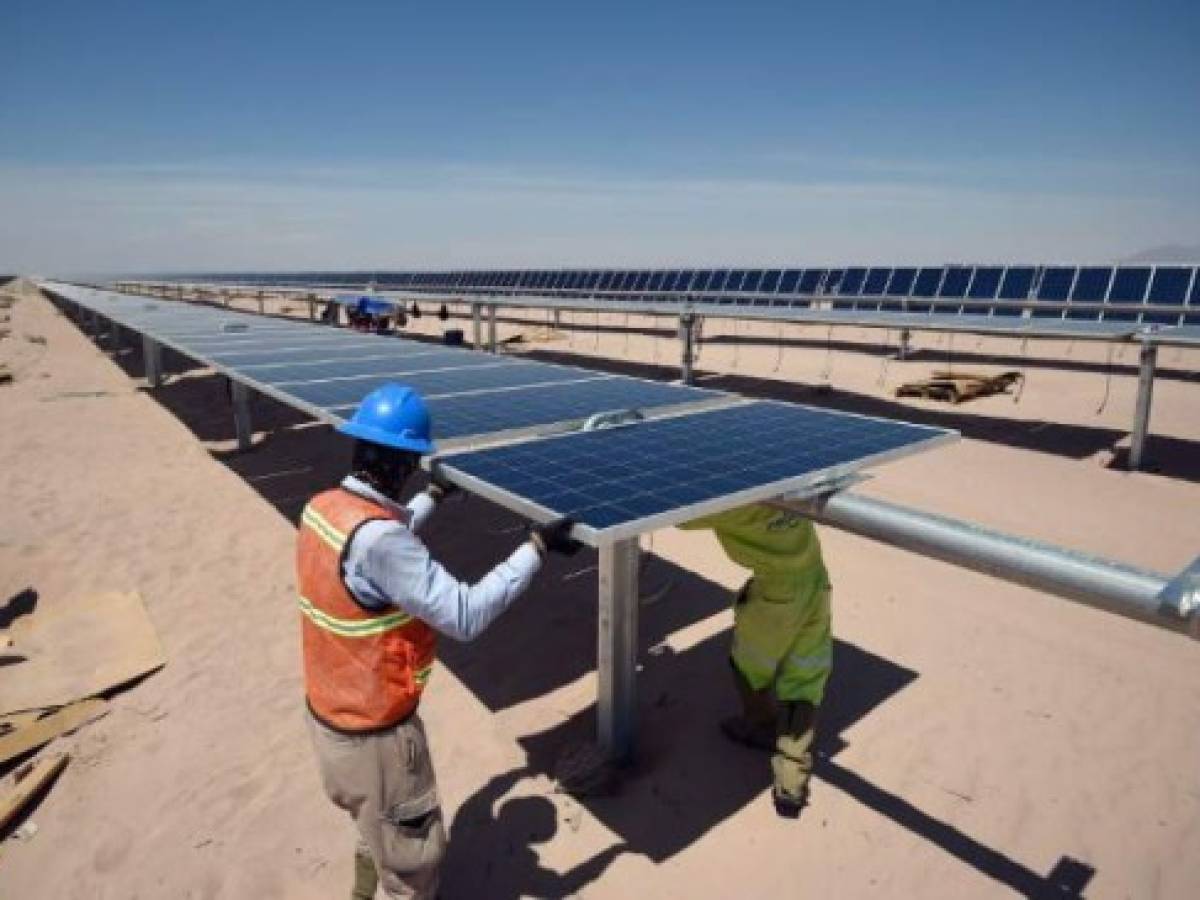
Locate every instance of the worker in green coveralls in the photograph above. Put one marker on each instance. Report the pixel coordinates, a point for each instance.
(782, 647)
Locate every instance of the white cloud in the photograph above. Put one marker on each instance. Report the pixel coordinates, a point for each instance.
(380, 215)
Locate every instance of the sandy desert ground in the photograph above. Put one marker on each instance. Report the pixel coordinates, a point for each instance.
(980, 739)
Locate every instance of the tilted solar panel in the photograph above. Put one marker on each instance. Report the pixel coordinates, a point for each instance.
(1055, 286)
(1168, 287)
(811, 280)
(618, 482)
(899, 285)
(986, 282)
(1091, 287)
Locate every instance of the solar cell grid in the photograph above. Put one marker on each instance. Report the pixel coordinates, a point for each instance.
(852, 281)
(986, 283)
(810, 281)
(300, 372)
(456, 417)
(1168, 287)
(331, 394)
(668, 470)
(876, 281)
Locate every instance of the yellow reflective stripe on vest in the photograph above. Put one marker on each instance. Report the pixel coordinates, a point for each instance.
(323, 529)
(352, 627)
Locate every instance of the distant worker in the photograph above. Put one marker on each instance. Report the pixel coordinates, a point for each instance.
(371, 599)
(782, 648)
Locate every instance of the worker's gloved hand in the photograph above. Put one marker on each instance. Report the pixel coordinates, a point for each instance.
(439, 487)
(555, 537)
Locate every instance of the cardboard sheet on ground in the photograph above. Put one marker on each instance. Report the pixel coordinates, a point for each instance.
(86, 646)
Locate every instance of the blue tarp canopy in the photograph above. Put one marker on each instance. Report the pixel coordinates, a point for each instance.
(366, 304)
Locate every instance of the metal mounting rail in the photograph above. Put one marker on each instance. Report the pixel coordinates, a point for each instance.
(1170, 603)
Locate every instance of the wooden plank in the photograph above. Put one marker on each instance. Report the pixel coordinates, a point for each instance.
(19, 786)
(44, 730)
(80, 648)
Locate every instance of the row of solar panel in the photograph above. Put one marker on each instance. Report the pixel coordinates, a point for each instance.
(1174, 290)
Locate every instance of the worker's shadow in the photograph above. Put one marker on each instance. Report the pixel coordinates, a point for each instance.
(687, 778)
(491, 852)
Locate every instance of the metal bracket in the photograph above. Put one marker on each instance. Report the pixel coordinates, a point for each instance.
(822, 489)
(612, 419)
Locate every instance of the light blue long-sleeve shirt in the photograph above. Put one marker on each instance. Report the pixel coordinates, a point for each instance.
(386, 564)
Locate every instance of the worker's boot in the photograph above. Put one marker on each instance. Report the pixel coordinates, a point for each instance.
(366, 879)
(793, 760)
(755, 727)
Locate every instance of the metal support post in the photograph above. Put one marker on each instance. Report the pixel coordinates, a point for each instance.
(152, 361)
(491, 328)
(312, 307)
(687, 338)
(1141, 416)
(241, 415)
(261, 306)
(557, 319)
(616, 655)
(476, 327)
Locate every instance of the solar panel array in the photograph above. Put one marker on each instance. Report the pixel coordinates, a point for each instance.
(708, 451)
(1134, 293)
(327, 371)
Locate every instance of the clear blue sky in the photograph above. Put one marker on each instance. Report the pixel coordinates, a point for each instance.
(243, 135)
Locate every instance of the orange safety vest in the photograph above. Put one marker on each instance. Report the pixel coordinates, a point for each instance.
(364, 670)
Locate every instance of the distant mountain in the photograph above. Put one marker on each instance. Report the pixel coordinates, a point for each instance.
(1167, 253)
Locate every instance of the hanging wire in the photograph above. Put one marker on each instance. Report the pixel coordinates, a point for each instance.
(654, 340)
(885, 358)
(737, 344)
(570, 332)
(825, 372)
(698, 339)
(653, 594)
(596, 346)
(779, 355)
(1024, 368)
(627, 330)
(950, 352)
(1108, 370)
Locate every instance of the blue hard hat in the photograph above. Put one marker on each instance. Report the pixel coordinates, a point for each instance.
(393, 415)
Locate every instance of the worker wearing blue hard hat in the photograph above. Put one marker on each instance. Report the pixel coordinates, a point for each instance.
(373, 600)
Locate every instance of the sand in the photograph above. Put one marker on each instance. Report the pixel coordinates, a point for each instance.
(978, 739)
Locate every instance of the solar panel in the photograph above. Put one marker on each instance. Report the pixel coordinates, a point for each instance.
(852, 282)
(543, 405)
(623, 481)
(1055, 286)
(810, 281)
(986, 283)
(770, 281)
(789, 280)
(1016, 285)
(1091, 286)
(378, 366)
(899, 285)
(1168, 287)
(926, 285)
(954, 284)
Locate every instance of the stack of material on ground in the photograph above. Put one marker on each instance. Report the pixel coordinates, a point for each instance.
(956, 387)
(57, 662)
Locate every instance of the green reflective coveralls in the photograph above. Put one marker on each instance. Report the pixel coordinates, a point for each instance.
(781, 636)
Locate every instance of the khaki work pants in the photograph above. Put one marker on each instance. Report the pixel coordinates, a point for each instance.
(385, 782)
